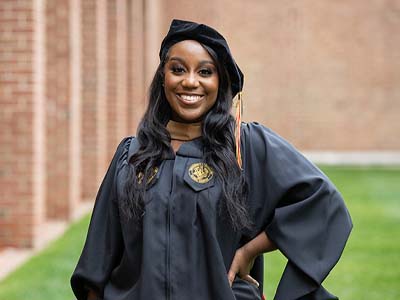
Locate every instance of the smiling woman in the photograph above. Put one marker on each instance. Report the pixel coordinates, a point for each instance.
(180, 215)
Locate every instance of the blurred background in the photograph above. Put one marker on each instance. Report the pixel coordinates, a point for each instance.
(73, 80)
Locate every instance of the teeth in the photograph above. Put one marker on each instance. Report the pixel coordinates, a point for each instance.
(190, 97)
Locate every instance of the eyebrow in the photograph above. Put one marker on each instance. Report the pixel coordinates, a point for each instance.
(203, 62)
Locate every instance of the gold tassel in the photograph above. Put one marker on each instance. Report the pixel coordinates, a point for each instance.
(238, 120)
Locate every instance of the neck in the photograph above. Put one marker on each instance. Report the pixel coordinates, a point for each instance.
(184, 131)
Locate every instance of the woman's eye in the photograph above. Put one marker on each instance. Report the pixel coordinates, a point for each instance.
(206, 72)
(177, 70)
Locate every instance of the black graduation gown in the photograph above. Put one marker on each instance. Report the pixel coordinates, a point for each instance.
(184, 249)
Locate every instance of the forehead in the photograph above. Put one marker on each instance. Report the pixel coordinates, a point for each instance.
(189, 49)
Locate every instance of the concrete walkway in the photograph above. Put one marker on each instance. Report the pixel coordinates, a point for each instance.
(356, 158)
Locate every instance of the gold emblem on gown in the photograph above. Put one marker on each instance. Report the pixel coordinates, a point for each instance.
(151, 177)
(200, 172)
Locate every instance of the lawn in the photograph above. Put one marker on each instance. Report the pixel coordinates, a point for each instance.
(46, 275)
(370, 265)
(368, 270)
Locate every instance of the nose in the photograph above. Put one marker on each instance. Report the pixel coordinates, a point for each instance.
(190, 81)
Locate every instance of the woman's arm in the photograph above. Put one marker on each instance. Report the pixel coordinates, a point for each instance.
(298, 207)
(244, 257)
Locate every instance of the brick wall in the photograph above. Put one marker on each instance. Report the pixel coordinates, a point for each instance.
(65, 89)
(122, 64)
(136, 70)
(102, 87)
(89, 154)
(112, 138)
(16, 123)
(58, 112)
(75, 104)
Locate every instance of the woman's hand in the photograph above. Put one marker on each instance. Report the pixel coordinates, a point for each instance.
(241, 266)
(244, 257)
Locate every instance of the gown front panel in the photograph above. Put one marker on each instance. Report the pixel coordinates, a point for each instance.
(181, 256)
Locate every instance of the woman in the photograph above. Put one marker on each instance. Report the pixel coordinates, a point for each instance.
(188, 207)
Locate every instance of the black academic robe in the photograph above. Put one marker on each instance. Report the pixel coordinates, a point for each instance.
(184, 248)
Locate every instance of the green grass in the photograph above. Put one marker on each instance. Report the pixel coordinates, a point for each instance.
(370, 265)
(46, 275)
(369, 268)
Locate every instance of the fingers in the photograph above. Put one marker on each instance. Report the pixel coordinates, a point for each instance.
(231, 276)
(233, 272)
(234, 269)
(241, 266)
(250, 279)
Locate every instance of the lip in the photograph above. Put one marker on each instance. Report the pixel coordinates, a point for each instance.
(180, 97)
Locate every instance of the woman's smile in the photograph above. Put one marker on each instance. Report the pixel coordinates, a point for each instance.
(190, 99)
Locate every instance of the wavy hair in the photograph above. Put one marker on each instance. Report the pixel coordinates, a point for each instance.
(219, 150)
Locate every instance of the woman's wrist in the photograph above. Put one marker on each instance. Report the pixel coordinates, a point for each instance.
(249, 250)
(259, 245)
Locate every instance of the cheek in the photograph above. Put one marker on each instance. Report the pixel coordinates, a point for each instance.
(168, 82)
(213, 88)
(169, 88)
(211, 84)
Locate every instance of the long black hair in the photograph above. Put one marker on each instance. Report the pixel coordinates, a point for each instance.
(219, 149)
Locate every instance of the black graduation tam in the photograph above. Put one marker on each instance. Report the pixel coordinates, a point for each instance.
(185, 30)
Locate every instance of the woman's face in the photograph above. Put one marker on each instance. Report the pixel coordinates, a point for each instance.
(190, 81)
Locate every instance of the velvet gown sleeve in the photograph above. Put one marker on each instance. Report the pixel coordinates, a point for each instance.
(300, 210)
(103, 246)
